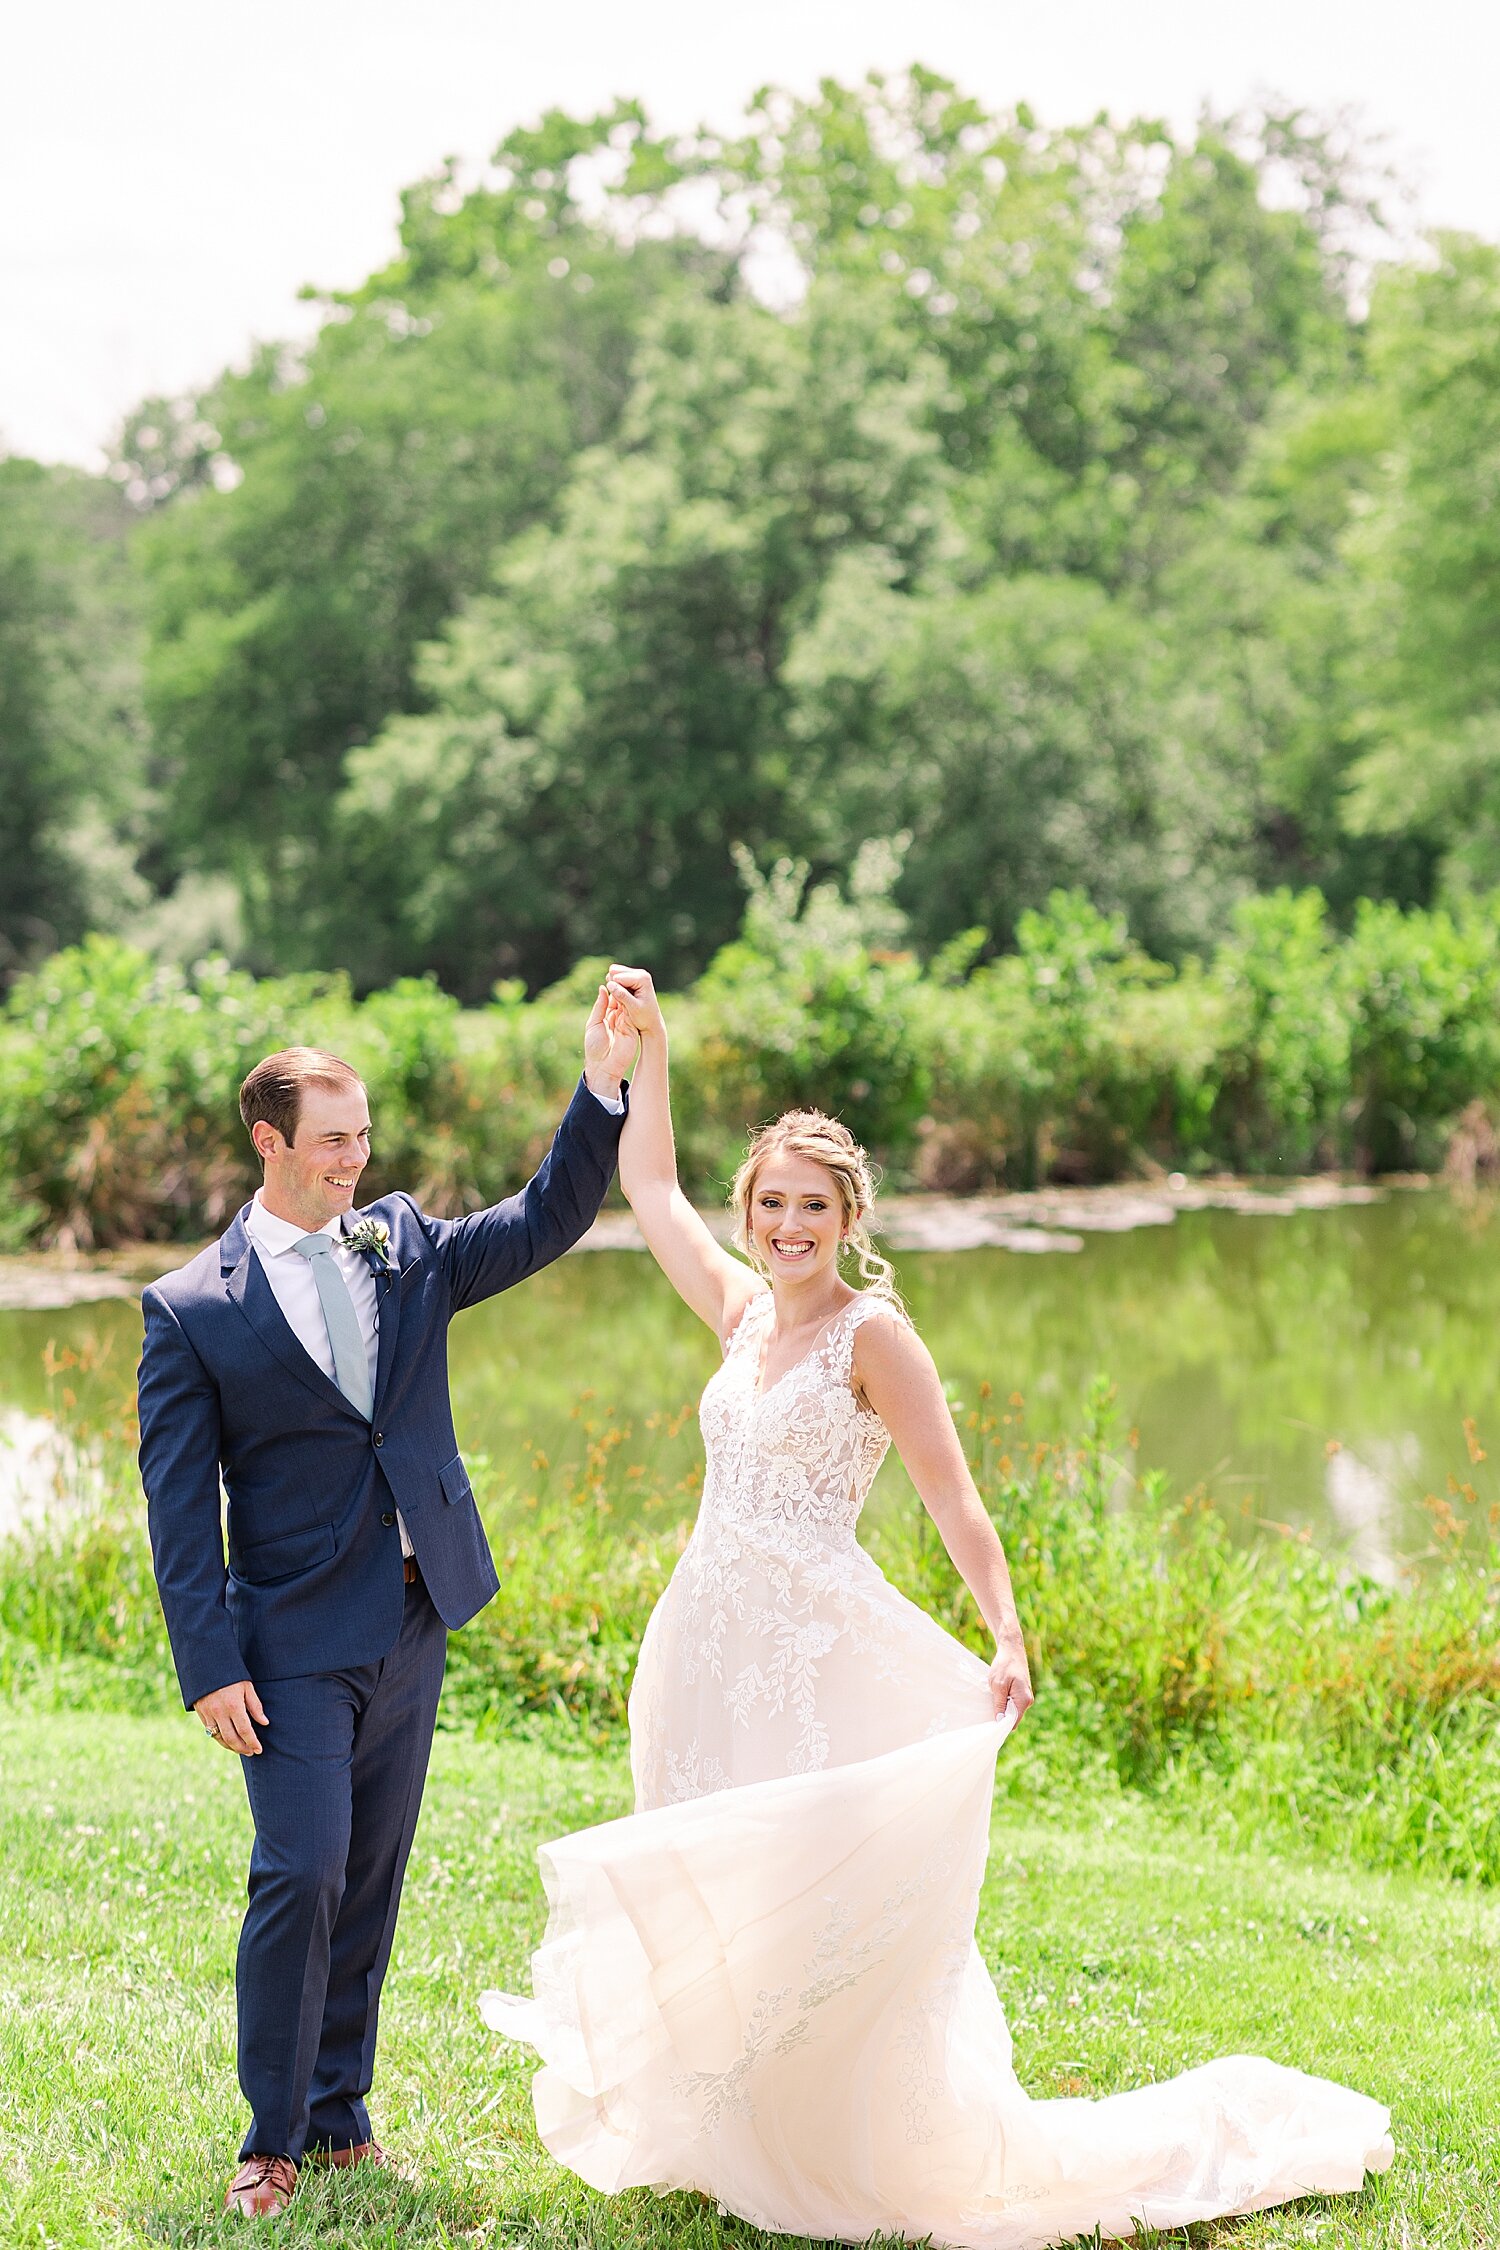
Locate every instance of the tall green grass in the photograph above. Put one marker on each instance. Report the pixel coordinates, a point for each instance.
(1258, 1685)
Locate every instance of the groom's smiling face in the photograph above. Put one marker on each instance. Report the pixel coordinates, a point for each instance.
(313, 1177)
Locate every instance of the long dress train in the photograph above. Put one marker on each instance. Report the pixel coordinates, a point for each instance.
(763, 1984)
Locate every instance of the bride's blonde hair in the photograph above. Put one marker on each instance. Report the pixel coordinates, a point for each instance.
(823, 1141)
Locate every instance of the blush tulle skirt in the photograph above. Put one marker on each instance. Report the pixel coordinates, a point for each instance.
(772, 1995)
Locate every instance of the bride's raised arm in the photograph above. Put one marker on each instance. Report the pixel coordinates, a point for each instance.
(717, 1286)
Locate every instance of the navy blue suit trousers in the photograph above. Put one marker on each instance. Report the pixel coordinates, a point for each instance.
(335, 1794)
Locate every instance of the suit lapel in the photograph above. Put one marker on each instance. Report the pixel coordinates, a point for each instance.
(387, 1328)
(247, 1286)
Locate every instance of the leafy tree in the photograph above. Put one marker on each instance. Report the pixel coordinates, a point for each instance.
(1114, 311)
(1258, 657)
(372, 477)
(1033, 492)
(1023, 735)
(1216, 302)
(612, 718)
(71, 748)
(1431, 566)
(164, 447)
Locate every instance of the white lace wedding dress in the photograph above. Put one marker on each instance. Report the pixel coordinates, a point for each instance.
(764, 1984)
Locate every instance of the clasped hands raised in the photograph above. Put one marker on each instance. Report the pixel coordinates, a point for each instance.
(626, 1009)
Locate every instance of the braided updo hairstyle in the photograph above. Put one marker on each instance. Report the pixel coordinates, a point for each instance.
(821, 1140)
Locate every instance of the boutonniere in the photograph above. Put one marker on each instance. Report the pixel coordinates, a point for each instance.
(372, 1239)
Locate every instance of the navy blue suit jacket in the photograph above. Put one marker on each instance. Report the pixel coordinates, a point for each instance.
(314, 1580)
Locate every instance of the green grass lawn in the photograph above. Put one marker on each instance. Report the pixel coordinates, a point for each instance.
(1125, 1948)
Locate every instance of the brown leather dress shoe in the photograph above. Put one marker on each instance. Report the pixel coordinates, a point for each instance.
(362, 2152)
(262, 2187)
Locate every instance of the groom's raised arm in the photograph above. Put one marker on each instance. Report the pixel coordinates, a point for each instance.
(492, 1250)
(180, 1432)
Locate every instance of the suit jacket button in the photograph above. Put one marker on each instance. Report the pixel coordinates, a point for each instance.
(380, 1437)
(388, 1517)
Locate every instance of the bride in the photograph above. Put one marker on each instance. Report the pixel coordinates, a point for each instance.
(763, 1984)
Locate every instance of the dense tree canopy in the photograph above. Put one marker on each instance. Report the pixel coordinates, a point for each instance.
(1068, 504)
(72, 754)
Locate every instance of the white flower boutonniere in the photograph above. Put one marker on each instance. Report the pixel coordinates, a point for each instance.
(372, 1239)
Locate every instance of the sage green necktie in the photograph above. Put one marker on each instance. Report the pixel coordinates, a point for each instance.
(351, 1363)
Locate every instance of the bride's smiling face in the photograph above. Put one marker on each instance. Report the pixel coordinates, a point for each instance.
(796, 1219)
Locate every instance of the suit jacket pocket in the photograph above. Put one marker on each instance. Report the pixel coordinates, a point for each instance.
(454, 1479)
(266, 1560)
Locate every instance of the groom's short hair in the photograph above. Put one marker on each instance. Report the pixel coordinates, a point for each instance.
(273, 1091)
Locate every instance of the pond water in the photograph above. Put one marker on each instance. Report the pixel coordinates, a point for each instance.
(1313, 1369)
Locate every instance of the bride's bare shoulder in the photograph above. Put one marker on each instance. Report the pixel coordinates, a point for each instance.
(887, 1348)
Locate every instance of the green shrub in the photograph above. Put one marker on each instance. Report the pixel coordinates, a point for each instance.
(405, 1044)
(1424, 995)
(118, 1084)
(803, 1010)
(519, 1063)
(1283, 1069)
(1075, 1057)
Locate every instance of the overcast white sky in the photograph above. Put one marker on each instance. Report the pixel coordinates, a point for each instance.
(173, 170)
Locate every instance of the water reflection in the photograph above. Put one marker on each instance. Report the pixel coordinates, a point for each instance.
(1364, 1499)
(41, 1470)
(1314, 1369)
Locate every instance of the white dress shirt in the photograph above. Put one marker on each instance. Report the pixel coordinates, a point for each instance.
(295, 1288)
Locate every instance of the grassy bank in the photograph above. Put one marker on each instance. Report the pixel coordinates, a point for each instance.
(1075, 1057)
(1254, 1687)
(1123, 1949)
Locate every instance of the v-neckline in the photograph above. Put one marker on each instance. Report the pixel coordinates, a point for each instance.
(760, 1389)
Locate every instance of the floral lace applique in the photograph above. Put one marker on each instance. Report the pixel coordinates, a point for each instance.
(726, 2093)
(839, 1958)
(691, 1773)
(774, 1558)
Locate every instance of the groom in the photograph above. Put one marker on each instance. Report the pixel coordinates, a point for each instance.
(303, 1359)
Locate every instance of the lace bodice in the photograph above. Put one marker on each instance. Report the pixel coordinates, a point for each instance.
(793, 1460)
(778, 1646)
